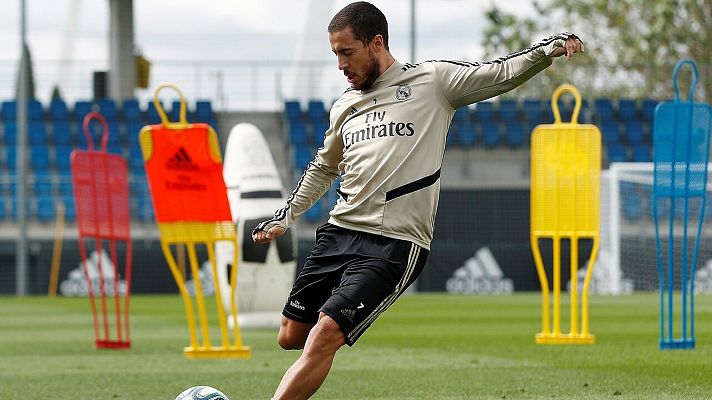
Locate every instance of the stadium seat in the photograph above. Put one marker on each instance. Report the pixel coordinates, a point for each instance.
(490, 135)
(298, 134)
(39, 158)
(315, 213)
(152, 116)
(302, 156)
(484, 112)
(633, 132)
(603, 109)
(204, 110)
(10, 158)
(43, 184)
(316, 111)
(136, 164)
(9, 133)
(464, 132)
(45, 208)
(648, 109)
(610, 132)
(515, 134)
(70, 213)
(616, 153)
(107, 108)
(131, 111)
(62, 154)
(318, 131)
(81, 109)
(61, 133)
(508, 110)
(292, 110)
(627, 110)
(133, 129)
(532, 111)
(35, 112)
(37, 133)
(641, 153)
(58, 110)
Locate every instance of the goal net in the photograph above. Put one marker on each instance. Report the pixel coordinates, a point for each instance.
(628, 259)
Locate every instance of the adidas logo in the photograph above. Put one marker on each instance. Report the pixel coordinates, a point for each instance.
(296, 305)
(181, 161)
(350, 314)
(480, 274)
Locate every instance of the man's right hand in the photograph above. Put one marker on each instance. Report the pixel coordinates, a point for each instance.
(262, 236)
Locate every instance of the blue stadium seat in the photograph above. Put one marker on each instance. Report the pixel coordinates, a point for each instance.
(58, 110)
(641, 153)
(174, 114)
(64, 184)
(292, 110)
(9, 133)
(10, 158)
(464, 132)
(302, 156)
(43, 184)
(610, 132)
(318, 131)
(616, 153)
(45, 208)
(515, 134)
(298, 134)
(107, 108)
(204, 110)
(8, 110)
(490, 134)
(70, 213)
(135, 164)
(133, 129)
(61, 133)
(508, 110)
(61, 157)
(532, 110)
(152, 116)
(633, 132)
(648, 109)
(37, 133)
(39, 158)
(627, 109)
(603, 109)
(131, 111)
(35, 112)
(484, 112)
(3, 213)
(315, 213)
(316, 111)
(81, 109)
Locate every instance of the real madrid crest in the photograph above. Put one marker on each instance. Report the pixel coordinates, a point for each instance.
(403, 92)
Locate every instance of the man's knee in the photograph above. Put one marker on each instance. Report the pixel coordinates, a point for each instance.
(327, 334)
(293, 334)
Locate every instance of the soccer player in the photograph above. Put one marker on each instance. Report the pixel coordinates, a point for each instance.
(386, 141)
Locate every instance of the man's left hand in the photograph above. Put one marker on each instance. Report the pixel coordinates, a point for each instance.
(572, 46)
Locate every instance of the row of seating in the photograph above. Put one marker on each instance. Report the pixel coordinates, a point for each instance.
(46, 190)
(625, 125)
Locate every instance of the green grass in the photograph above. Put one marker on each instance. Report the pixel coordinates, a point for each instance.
(424, 347)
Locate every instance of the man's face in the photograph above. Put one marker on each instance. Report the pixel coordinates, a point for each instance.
(355, 58)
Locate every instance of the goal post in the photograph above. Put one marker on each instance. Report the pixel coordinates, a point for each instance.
(627, 260)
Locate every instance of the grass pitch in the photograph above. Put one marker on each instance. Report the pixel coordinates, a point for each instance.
(424, 347)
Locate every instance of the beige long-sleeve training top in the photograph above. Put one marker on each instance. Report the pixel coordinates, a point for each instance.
(387, 143)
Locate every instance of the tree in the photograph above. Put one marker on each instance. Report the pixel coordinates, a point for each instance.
(631, 45)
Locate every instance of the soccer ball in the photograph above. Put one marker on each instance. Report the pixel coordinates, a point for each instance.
(201, 393)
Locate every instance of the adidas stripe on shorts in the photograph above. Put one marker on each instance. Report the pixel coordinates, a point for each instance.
(353, 277)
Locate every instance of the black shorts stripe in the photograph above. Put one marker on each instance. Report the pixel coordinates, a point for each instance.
(262, 194)
(388, 301)
(411, 187)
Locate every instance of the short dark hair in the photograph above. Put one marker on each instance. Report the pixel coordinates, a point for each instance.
(365, 19)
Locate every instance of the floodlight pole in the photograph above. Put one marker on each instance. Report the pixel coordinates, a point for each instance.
(412, 31)
(21, 149)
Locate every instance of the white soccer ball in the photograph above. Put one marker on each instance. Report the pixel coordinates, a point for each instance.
(202, 393)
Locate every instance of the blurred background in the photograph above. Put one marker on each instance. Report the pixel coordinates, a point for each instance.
(269, 63)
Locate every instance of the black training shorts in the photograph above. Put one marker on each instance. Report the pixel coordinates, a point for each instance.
(353, 277)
